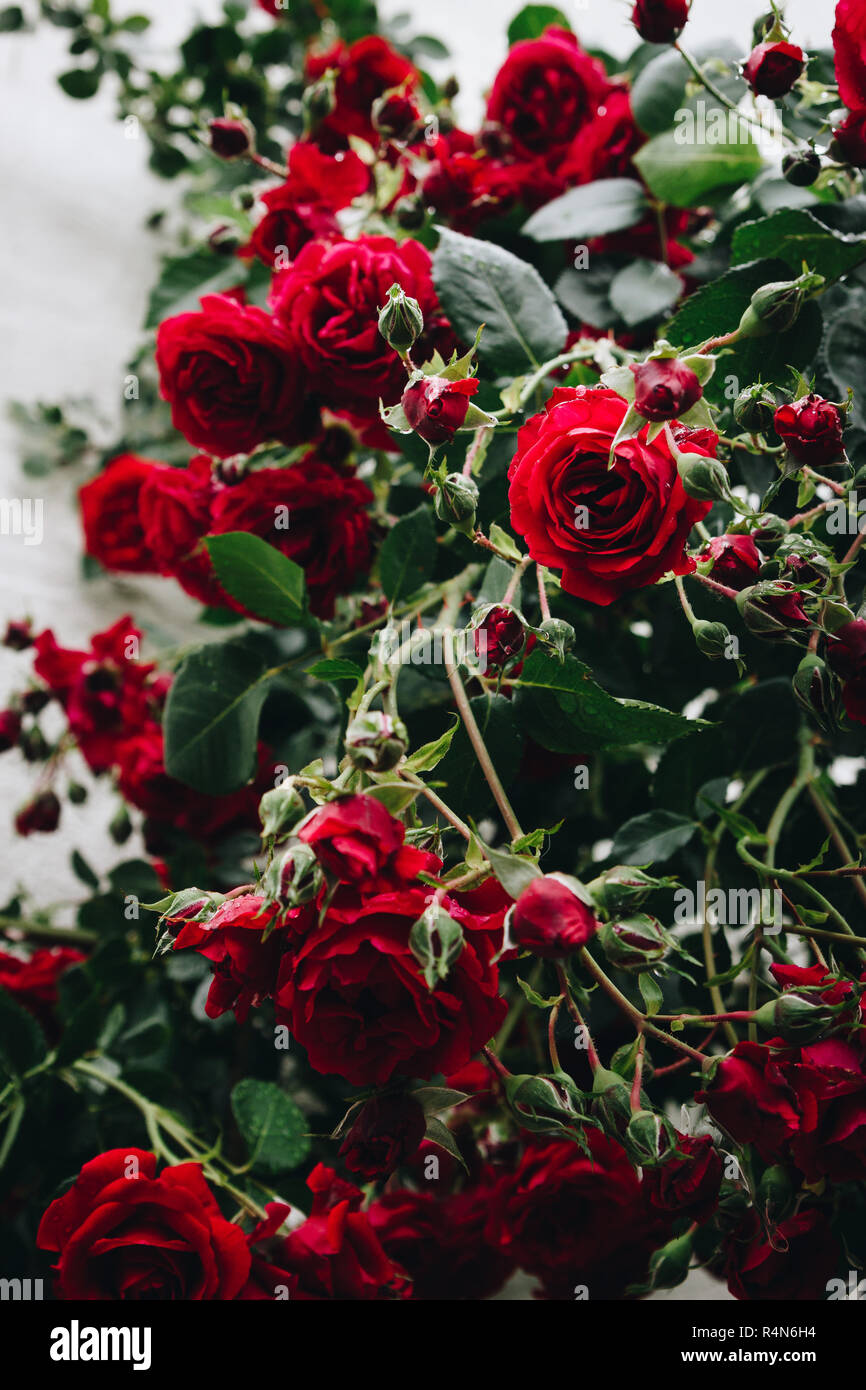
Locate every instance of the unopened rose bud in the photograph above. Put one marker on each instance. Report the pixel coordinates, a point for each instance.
(500, 636)
(231, 139)
(773, 610)
(622, 889)
(76, 793)
(754, 409)
(550, 920)
(735, 560)
(35, 700)
(280, 809)
(41, 814)
(543, 1103)
(611, 1101)
(34, 745)
(664, 388)
(772, 68)
(704, 478)
(456, 502)
(436, 408)
(771, 532)
(401, 321)
(18, 636)
(798, 1018)
(848, 145)
(801, 167)
(660, 21)
(647, 1139)
(396, 115)
(224, 240)
(801, 561)
(293, 879)
(375, 742)
(811, 429)
(319, 100)
(774, 308)
(669, 1266)
(410, 212)
(817, 690)
(634, 943)
(775, 1193)
(450, 88)
(559, 634)
(711, 639)
(387, 1132)
(10, 729)
(120, 826)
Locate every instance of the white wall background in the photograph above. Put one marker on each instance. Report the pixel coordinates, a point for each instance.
(77, 267)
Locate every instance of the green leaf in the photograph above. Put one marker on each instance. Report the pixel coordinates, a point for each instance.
(683, 174)
(11, 18)
(794, 235)
(271, 1124)
(408, 555)
(212, 716)
(593, 209)
(532, 21)
(644, 290)
(260, 577)
(336, 669)
(80, 83)
(439, 1133)
(478, 282)
(658, 90)
(82, 870)
(435, 941)
(651, 993)
(514, 872)
(716, 308)
(22, 1042)
(537, 999)
(431, 754)
(651, 838)
(183, 281)
(563, 709)
(432, 1099)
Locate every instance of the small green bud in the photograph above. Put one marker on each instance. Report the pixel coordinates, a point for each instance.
(76, 793)
(622, 889)
(280, 809)
(634, 943)
(754, 409)
(293, 879)
(401, 321)
(457, 501)
(796, 1017)
(375, 742)
(120, 827)
(816, 689)
(711, 639)
(704, 478)
(774, 1193)
(558, 634)
(319, 100)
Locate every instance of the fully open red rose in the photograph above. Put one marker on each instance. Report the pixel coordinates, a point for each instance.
(244, 942)
(364, 71)
(122, 1233)
(302, 209)
(441, 1242)
(846, 654)
(687, 1185)
(33, 981)
(174, 505)
(113, 530)
(545, 92)
(231, 376)
(796, 1265)
(352, 992)
(329, 302)
(849, 52)
(313, 513)
(358, 841)
(753, 1102)
(609, 530)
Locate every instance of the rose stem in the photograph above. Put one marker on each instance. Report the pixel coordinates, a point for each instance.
(480, 748)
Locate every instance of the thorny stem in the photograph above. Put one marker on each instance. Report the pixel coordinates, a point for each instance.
(836, 836)
(720, 97)
(571, 1005)
(480, 749)
(542, 593)
(640, 1020)
(516, 576)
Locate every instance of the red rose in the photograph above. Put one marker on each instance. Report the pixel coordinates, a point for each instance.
(687, 1185)
(358, 841)
(846, 655)
(386, 1133)
(608, 530)
(772, 68)
(41, 815)
(499, 638)
(604, 148)
(106, 693)
(329, 302)
(812, 430)
(436, 408)
(753, 1102)
(231, 376)
(849, 50)
(736, 560)
(302, 209)
(664, 388)
(796, 1266)
(10, 729)
(244, 942)
(550, 920)
(364, 71)
(850, 139)
(174, 505)
(313, 513)
(660, 21)
(33, 982)
(122, 1233)
(571, 1218)
(545, 92)
(441, 1243)
(396, 115)
(230, 139)
(335, 1253)
(353, 994)
(113, 532)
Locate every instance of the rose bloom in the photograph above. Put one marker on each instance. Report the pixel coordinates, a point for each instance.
(41, 814)
(812, 430)
(550, 920)
(175, 508)
(805, 1256)
(32, 982)
(546, 91)
(303, 208)
(687, 1185)
(231, 376)
(440, 1242)
(334, 1254)
(850, 137)
(359, 842)
(326, 529)
(638, 515)
(365, 70)
(123, 1234)
(243, 940)
(660, 21)
(846, 655)
(113, 530)
(436, 408)
(106, 696)
(387, 1132)
(849, 52)
(569, 1218)
(752, 1101)
(773, 68)
(329, 301)
(736, 560)
(353, 994)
